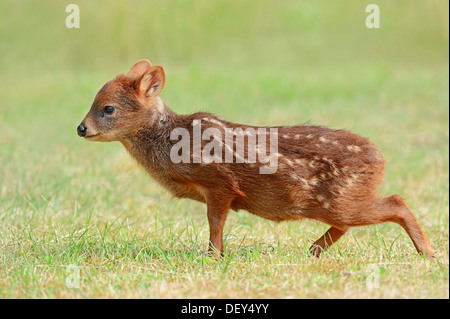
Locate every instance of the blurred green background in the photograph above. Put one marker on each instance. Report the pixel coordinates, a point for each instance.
(253, 62)
(258, 62)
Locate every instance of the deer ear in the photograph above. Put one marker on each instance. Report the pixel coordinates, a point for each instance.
(152, 82)
(139, 68)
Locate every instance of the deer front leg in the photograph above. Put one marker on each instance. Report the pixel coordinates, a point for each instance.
(217, 214)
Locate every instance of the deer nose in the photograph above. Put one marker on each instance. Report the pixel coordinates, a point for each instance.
(81, 130)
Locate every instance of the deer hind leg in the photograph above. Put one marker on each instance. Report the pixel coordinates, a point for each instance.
(394, 209)
(328, 239)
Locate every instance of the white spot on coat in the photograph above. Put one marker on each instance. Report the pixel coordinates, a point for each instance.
(353, 148)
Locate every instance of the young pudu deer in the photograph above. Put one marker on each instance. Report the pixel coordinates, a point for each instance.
(322, 174)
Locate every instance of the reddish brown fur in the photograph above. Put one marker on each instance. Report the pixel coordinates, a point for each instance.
(323, 174)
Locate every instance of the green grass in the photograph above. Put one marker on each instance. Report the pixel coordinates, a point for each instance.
(64, 201)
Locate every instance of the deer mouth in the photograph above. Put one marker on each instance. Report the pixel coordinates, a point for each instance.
(91, 136)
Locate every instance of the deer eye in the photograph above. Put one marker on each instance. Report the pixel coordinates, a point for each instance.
(109, 109)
